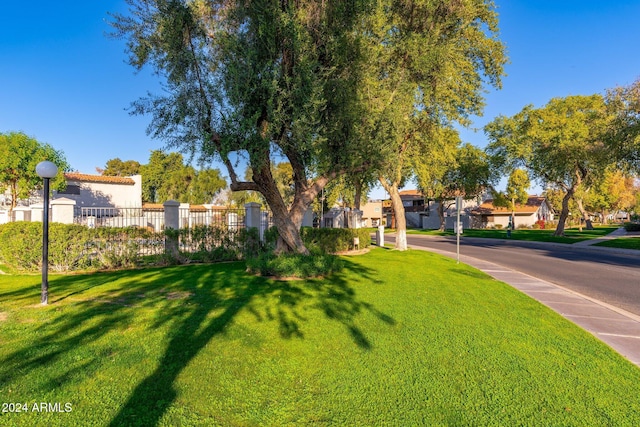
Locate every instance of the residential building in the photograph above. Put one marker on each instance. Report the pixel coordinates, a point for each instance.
(487, 215)
(102, 191)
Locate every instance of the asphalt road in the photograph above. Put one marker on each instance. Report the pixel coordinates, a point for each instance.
(610, 277)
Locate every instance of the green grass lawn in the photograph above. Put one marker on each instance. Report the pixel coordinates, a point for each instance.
(572, 235)
(394, 339)
(623, 242)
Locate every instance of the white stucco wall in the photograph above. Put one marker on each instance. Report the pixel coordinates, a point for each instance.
(107, 194)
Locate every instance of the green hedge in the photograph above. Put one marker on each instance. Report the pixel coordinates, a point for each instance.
(76, 247)
(632, 226)
(73, 247)
(332, 240)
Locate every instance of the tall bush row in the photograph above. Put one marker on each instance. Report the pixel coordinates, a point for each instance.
(76, 247)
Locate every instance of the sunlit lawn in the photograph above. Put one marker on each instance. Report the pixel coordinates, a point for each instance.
(394, 339)
(623, 242)
(572, 235)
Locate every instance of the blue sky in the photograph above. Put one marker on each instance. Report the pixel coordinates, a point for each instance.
(65, 83)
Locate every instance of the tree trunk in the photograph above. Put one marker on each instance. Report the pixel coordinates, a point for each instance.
(14, 197)
(288, 222)
(401, 222)
(564, 214)
(357, 199)
(513, 213)
(585, 215)
(441, 214)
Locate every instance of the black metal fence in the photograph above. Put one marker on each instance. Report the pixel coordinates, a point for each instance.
(96, 217)
(200, 229)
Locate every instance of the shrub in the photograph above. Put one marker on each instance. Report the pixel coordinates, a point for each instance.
(21, 245)
(71, 247)
(294, 265)
(250, 243)
(68, 247)
(332, 240)
(632, 226)
(539, 225)
(122, 247)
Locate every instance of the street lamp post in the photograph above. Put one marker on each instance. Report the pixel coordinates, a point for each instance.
(46, 170)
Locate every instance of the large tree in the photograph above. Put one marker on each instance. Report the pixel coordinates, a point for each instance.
(428, 64)
(561, 144)
(19, 155)
(246, 81)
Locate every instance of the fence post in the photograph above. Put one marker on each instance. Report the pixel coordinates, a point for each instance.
(36, 212)
(307, 219)
(252, 217)
(171, 221)
(22, 213)
(62, 210)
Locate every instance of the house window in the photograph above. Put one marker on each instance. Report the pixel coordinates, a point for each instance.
(71, 189)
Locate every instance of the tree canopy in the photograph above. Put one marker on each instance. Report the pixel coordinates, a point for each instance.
(465, 173)
(117, 167)
(19, 155)
(428, 62)
(167, 177)
(561, 144)
(624, 133)
(255, 80)
(334, 87)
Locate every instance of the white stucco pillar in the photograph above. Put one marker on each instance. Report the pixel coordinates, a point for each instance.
(172, 214)
(22, 213)
(36, 212)
(307, 220)
(62, 210)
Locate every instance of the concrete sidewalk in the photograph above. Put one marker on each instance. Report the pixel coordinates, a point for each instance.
(616, 327)
(620, 232)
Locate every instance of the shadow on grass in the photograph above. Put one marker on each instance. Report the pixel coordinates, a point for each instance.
(198, 303)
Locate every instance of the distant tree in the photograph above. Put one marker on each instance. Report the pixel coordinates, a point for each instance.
(516, 193)
(615, 192)
(208, 183)
(283, 175)
(561, 144)
(624, 133)
(167, 177)
(116, 167)
(466, 173)
(19, 155)
(162, 176)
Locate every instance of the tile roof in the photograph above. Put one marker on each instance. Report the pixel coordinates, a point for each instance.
(532, 206)
(75, 176)
(412, 193)
(192, 208)
(152, 207)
